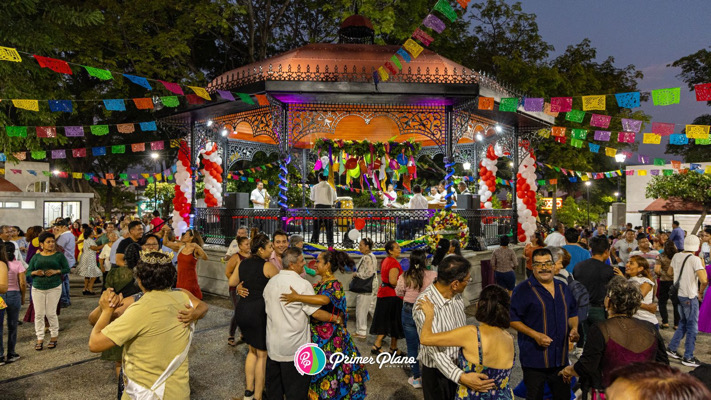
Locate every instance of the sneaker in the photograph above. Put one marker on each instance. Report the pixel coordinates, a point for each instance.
(416, 383)
(673, 354)
(691, 362)
(12, 358)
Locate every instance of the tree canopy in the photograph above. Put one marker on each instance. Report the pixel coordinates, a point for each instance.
(690, 187)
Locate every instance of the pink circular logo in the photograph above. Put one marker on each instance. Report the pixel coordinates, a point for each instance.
(309, 359)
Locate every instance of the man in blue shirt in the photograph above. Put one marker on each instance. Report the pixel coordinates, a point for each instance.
(577, 253)
(545, 314)
(677, 236)
(66, 243)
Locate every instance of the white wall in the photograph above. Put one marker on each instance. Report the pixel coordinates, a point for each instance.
(25, 218)
(25, 178)
(636, 200)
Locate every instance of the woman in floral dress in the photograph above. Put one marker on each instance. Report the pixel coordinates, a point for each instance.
(345, 381)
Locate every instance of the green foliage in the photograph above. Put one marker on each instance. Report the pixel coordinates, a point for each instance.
(690, 186)
(575, 212)
(164, 195)
(363, 200)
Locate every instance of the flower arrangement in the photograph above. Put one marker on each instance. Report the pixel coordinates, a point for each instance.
(448, 225)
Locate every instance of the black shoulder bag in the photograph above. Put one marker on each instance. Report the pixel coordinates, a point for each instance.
(674, 289)
(360, 285)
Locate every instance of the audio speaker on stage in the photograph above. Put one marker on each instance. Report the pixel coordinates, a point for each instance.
(237, 200)
(468, 201)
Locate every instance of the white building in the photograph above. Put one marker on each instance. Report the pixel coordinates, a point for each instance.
(25, 199)
(658, 213)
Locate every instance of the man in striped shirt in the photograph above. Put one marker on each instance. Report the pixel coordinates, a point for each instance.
(440, 374)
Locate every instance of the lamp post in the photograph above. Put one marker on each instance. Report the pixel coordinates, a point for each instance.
(587, 186)
(155, 156)
(620, 158)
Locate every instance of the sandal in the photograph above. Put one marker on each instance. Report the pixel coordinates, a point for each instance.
(39, 346)
(376, 350)
(231, 341)
(664, 326)
(397, 352)
(52, 344)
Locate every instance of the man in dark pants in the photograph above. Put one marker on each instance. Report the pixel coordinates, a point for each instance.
(323, 196)
(288, 329)
(594, 274)
(544, 312)
(440, 374)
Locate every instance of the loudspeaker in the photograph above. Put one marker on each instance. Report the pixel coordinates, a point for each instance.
(464, 201)
(237, 200)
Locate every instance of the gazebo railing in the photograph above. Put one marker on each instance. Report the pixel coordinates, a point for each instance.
(219, 225)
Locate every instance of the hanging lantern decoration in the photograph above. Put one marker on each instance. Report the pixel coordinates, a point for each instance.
(526, 188)
(212, 171)
(183, 190)
(487, 178)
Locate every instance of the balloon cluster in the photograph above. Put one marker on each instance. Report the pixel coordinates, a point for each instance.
(354, 234)
(487, 176)
(183, 190)
(212, 170)
(526, 188)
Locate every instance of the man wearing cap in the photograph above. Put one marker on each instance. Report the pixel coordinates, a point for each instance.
(65, 243)
(689, 297)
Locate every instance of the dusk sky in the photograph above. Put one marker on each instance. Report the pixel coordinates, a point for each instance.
(646, 33)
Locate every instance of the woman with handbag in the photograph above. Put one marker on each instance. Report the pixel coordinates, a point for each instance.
(387, 319)
(365, 285)
(409, 286)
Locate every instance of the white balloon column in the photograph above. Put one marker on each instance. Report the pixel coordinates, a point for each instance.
(212, 171)
(183, 190)
(526, 188)
(487, 176)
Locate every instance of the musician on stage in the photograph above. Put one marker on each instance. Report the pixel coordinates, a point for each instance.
(389, 197)
(259, 197)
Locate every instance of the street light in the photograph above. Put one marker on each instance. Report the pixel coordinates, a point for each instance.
(587, 186)
(620, 158)
(155, 156)
(467, 166)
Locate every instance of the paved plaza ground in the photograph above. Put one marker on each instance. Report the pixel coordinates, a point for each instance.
(216, 370)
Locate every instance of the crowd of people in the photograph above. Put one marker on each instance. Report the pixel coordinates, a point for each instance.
(584, 316)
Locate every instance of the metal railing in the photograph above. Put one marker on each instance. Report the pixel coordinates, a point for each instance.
(219, 225)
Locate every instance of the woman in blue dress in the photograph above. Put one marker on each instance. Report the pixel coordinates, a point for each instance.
(493, 352)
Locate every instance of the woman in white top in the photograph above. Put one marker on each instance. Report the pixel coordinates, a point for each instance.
(637, 270)
(105, 257)
(367, 267)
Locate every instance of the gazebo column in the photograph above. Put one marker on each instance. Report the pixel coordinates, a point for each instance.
(284, 157)
(225, 167)
(193, 173)
(514, 202)
(304, 175)
(448, 156)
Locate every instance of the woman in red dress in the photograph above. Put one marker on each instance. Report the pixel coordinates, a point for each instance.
(189, 249)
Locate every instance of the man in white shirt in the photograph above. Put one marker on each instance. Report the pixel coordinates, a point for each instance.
(406, 229)
(556, 238)
(259, 196)
(389, 197)
(323, 196)
(689, 297)
(288, 328)
(624, 247)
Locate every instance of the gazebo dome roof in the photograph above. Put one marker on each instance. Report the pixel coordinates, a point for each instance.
(331, 62)
(356, 20)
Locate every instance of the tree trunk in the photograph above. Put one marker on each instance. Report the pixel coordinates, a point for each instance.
(700, 222)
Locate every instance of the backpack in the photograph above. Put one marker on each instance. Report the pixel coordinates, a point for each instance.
(582, 297)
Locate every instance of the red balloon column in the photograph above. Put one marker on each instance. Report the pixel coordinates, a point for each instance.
(526, 188)
(487, 177)
(183, 190)
(212, 171)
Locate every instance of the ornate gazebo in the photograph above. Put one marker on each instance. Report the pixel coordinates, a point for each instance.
(327, 90)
